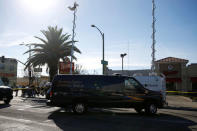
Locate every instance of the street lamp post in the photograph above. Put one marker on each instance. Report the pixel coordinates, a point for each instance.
(103, 41)
(29, 67)
(122, 56)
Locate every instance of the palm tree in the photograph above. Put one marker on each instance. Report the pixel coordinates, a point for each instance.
(56, 46)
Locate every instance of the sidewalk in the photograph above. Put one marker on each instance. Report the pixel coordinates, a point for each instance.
(20, 93)
(180, 102)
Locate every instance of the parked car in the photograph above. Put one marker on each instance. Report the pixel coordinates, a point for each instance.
(5, 93)
(83, 91)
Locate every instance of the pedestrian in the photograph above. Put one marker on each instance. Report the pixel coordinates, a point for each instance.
(16, 89)
(23, 91)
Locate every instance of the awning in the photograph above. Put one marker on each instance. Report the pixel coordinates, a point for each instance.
(173, 80)
(193, 79)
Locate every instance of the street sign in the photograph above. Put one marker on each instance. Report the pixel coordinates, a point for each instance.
(37, 69)
(64, 68)
(104, 62)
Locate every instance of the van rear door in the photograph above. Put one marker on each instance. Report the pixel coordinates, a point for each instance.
(61, 89)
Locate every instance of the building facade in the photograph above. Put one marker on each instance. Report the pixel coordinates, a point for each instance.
(175, 71)
(179, 75)
(8, 71)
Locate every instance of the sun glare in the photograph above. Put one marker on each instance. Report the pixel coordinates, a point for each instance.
(37, 5)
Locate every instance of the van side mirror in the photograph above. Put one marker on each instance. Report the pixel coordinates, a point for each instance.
(145, 85)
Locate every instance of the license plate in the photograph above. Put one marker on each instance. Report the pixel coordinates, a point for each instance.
(4, 99)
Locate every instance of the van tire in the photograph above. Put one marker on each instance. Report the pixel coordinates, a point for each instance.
(79, 108)
(151, 108)
(138, 110)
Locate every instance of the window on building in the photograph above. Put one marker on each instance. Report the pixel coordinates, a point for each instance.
(5, 81)
(2, 66)
(194, 86)
(11, 67)
(170, 86)
(1, 82)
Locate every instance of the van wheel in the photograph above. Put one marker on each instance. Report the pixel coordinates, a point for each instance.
(138, 110)
(7, 101)
(79, 108)
(151, 108)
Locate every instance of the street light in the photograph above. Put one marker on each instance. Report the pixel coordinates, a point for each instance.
(29, 68)
(102, 34)
(122, 56)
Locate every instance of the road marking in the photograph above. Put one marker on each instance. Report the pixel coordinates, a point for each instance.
(16, 119)
(25, 107)
(20, 109)
(47, 121)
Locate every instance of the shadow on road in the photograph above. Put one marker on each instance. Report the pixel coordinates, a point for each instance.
(98, 120)
(4, 106)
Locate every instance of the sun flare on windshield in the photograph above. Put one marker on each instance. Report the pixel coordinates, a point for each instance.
(38, 5)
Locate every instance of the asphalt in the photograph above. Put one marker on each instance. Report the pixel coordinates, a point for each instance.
(32, 114)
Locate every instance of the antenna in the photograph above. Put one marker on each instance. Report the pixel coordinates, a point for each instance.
(74, 9)
(153, 37)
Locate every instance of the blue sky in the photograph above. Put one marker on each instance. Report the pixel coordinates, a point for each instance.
(126, 24)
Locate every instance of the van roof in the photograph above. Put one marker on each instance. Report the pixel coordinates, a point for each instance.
(91, 75)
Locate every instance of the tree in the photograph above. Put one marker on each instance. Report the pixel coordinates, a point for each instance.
(56, 46)
(79, 70)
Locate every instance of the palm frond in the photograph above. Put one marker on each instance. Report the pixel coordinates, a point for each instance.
(54, 46)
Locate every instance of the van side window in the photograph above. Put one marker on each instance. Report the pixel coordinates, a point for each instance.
(134, 83)
(131, 84)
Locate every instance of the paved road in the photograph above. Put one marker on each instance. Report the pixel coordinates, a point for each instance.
(32, 114)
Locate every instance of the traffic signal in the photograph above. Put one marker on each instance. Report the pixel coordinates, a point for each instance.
(2, 59)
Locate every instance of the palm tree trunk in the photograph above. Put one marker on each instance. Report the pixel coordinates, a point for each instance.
(52, 71)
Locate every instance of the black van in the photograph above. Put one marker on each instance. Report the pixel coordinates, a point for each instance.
(83, 91)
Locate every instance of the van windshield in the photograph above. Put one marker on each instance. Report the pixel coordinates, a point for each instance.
(1, 82)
